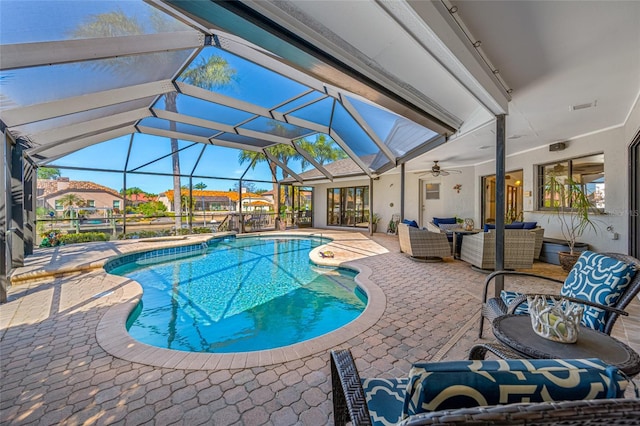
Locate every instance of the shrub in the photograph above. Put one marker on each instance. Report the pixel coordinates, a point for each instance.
(85, 237)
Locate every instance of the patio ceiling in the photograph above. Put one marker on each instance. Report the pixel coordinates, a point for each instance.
(84, 80)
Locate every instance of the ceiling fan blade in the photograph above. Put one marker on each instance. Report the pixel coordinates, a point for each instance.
(443, 173)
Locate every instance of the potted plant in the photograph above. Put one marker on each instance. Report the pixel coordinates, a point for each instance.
(375, 218)
(572, 207)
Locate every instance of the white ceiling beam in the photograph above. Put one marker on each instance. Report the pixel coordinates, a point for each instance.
(24, 55)
(77, 130)
(217, 127)
(236, 145)
(210, 96)
(195, 121)
(57, 150)
(30, 114)
(172, 135)
(431, 25)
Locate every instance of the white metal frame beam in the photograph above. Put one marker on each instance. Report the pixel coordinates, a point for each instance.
(30, 114)
(74, 131)
(24, 55)
(56, 151)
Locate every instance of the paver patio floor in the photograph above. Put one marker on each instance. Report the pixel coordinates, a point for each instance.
(53, 371)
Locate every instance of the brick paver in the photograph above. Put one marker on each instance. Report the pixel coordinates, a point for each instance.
(53, 371)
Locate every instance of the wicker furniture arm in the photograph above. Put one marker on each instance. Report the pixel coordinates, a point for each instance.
(584, 412)
(349, 403)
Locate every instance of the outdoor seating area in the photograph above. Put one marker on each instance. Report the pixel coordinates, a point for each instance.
(49, 337)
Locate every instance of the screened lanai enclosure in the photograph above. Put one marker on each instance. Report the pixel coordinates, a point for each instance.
(166, 102)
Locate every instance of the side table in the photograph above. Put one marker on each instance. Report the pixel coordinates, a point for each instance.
(515, 331)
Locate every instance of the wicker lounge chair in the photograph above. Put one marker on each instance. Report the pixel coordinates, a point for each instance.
(351, 404)
(420, 243)
(519, 249)
(496, 307)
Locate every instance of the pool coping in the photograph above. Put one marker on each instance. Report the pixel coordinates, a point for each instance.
(112, 335)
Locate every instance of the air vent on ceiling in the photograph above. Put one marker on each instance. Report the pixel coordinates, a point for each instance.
(584, 106)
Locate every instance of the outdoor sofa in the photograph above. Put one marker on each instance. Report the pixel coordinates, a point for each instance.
(519, 249)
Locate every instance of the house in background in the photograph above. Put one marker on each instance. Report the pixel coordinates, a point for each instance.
(51, 195)
(204, 200)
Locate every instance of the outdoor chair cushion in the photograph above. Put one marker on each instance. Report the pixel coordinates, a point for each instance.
(412, 223)
(385, 399)
(446, 220)
(526, 225)
(457, 384)
(597, 278)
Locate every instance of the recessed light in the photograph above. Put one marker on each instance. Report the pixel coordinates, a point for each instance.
(584, 106)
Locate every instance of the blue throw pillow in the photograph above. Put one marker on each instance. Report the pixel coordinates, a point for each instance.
(488, 226)
(445, 221)
(530, 225)
(385, 399)
(410, 223)
(461, 384)
(514, 225)
(509, 296)
(600, 279)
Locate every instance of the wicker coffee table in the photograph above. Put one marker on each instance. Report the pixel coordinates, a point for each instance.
(515, 331)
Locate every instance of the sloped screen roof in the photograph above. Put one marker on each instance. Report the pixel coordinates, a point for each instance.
(130, 86)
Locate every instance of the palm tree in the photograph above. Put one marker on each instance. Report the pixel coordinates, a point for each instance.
(323, 150)
(70, 200)
(207, 73)
(201, 186)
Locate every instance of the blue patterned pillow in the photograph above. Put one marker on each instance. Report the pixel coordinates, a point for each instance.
(509, 296)
(597, 278)
(385, 398)
(461, 384)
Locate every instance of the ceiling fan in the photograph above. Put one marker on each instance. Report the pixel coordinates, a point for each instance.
(436, 170)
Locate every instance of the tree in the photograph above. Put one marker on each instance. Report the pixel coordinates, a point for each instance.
(48, 173)
(200, 186)
(323, 150)
(71, 200)
(152, 208)
(206, 73)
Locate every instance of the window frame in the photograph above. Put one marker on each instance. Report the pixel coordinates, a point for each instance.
(570, 172)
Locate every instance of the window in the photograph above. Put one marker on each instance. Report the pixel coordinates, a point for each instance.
(116, 204)
(348, 206)
(587, 172)
(432, 191)
(59, 205)
(91, 203)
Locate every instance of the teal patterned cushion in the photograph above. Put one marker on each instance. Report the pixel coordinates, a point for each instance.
(597, 278)
(385, 398)
(509, 296)
(460, 384)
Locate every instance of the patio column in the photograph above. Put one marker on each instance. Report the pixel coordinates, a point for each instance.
(500, 200)
(241, 217)
(4, 198)
(370, 206)
(402, 191)
(15, 222)
(30, 189)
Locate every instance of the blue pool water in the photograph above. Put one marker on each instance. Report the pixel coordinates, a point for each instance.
(243, 295)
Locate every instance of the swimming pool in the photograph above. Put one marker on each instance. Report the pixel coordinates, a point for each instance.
(244, 294)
